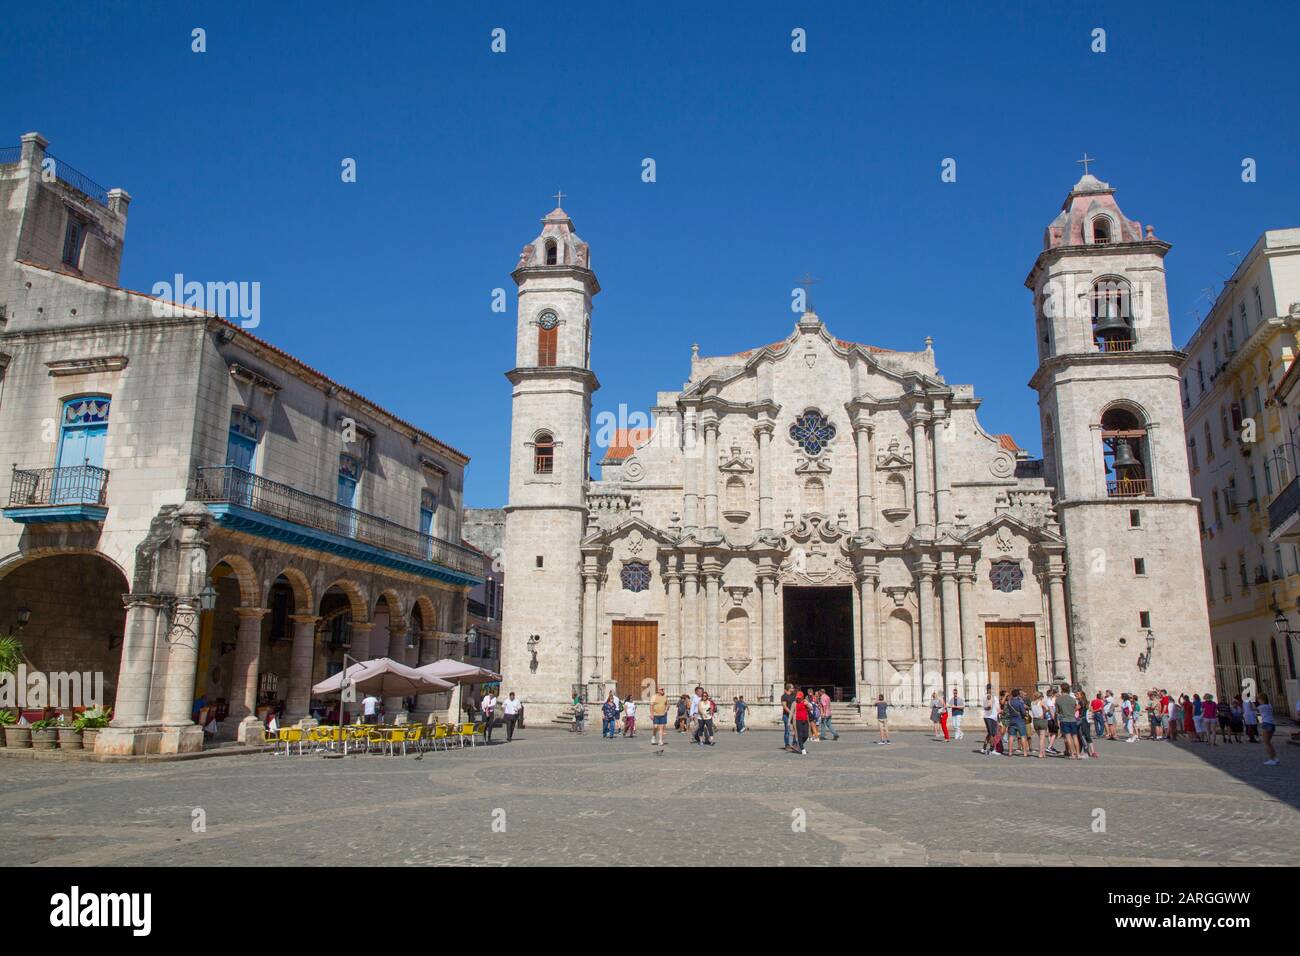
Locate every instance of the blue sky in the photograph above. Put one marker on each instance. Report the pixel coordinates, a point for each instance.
(769, 164)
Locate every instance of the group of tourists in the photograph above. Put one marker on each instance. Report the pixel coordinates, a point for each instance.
(806, 715)
(1017, 724)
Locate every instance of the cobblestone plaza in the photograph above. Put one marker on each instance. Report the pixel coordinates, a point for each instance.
(554, 798)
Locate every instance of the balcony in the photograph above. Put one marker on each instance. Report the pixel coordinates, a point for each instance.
(246, 502)
(1115, 345)
(58, 495)
(1129, 488)
(1284, 514)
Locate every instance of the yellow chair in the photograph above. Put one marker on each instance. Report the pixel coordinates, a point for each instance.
(469, 730)
(441, 732)
(290, 736)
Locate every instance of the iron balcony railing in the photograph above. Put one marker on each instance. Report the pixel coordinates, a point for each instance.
(1129, 488)
(74, 485)
(1114, 345)
(1284, 505)
(230, 485)
(69, 175)
(10, 155)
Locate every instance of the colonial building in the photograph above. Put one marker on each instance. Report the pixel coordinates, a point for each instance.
(833, 513)
(159, 452)
(1236, 381)
(485, 529)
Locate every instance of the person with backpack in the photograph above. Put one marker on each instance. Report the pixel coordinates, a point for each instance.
(991, 715)
(802, 717)
(579, 715)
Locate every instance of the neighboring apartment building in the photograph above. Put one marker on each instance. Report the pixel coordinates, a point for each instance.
(1242, 455)
(485, 529)
(166, 459)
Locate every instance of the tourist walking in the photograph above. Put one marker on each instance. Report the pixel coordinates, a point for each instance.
(511, 708)
(489, 707)
(824, 705)
(579, 715)
(1098, 710)
(1038, 714)
(704, 723)
(629, 717)
(1267, 729)
(1017, 724)
(658, 717)
(787, 705)
(938, 716)
(1250, 719)
(1189, 717)
(1236, 721)
(990, 714)
(739, 707)
(1126, 704)
(801, 721)
(1210, 718)
(608, 716)
(1053, 720)
(814, 714)
(882, 718)
(957, 708)
(1067, 716)
(1085, 727)
(683, 714)
(1109, 710)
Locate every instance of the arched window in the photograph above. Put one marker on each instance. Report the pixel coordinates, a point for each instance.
(894, 500)
(1124, 449)
(814, 495)
(898, 638)
(735, 641)
(1112, 315)
(552, 253)
(547, 337)
(544, 454)
(1101, 231)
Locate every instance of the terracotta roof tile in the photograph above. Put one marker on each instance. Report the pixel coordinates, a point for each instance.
(626, 441)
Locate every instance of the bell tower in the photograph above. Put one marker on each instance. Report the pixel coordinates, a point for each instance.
(1114, 448)
(546, 514)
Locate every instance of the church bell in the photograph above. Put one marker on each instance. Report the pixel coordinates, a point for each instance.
(1111, 326)
(1124, 457)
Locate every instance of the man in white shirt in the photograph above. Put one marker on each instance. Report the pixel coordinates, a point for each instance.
(488, 705)
(370, 709)
(511, 707)
(990, 720)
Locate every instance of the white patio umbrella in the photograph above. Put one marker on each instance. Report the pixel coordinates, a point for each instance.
(382, 676)
(458, 672)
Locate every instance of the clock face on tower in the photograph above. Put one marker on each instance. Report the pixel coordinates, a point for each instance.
(548, 321)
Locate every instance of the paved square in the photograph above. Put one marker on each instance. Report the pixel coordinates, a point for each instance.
(566, 799)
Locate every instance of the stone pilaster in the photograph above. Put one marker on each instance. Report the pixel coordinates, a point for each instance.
(952, 655)
(712, 644)
(360, 641)
(711, 472)
(692, 673)
(1062, 666)
(690, 469)
(930, 634)
(763, 433)
(921, 473)
(301, 657)
(673, 652)
(771, 653)
(943, 437)
(864, 439)
(241, 722)
(590, 611)
(969, 626)
(869, 631)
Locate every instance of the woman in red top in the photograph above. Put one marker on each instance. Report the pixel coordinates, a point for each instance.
(1189, 718)
(801, 723)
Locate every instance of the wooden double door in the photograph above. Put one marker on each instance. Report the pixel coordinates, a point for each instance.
(634, 657)
(1013, 655)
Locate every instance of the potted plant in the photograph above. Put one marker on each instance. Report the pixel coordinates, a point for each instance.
(90, 723)
(45, 734)
(16, 735)
(69, 734)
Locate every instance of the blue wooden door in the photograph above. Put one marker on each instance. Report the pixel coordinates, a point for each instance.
(82, 438)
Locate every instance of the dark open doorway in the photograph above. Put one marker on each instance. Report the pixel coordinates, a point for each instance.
(819, 638)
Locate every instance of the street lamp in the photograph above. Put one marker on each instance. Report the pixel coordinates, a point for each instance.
(533, 641)
(1144, 660)
(24, 615)
(1281, 624)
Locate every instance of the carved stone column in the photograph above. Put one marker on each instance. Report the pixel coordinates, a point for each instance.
(921, 471)
(360, 641)
(712, 608)
(952, 656)
(590, 608)
(396, 651)
(301, 656)
(941, 430)
(692, 673)
(763, 432)
(1062, 666)
(241, 722)
(711, 472)
(869, 631)
(925, 604)
(969, 626)
(690, 470)
(673, 653)
(145, 623)
(863, 436)
(767, 594)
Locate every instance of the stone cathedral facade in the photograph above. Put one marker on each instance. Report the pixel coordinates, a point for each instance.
(833, 513)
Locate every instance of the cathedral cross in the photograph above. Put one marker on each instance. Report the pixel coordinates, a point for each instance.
(807, 282)
(559, 199)
(1085, 161)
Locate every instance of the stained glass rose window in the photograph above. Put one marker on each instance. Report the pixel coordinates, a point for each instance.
(1006, 575)
(635, 576)
(812, 431)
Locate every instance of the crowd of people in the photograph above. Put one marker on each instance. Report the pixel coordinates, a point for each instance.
(1017, 724)
(1061, 721)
